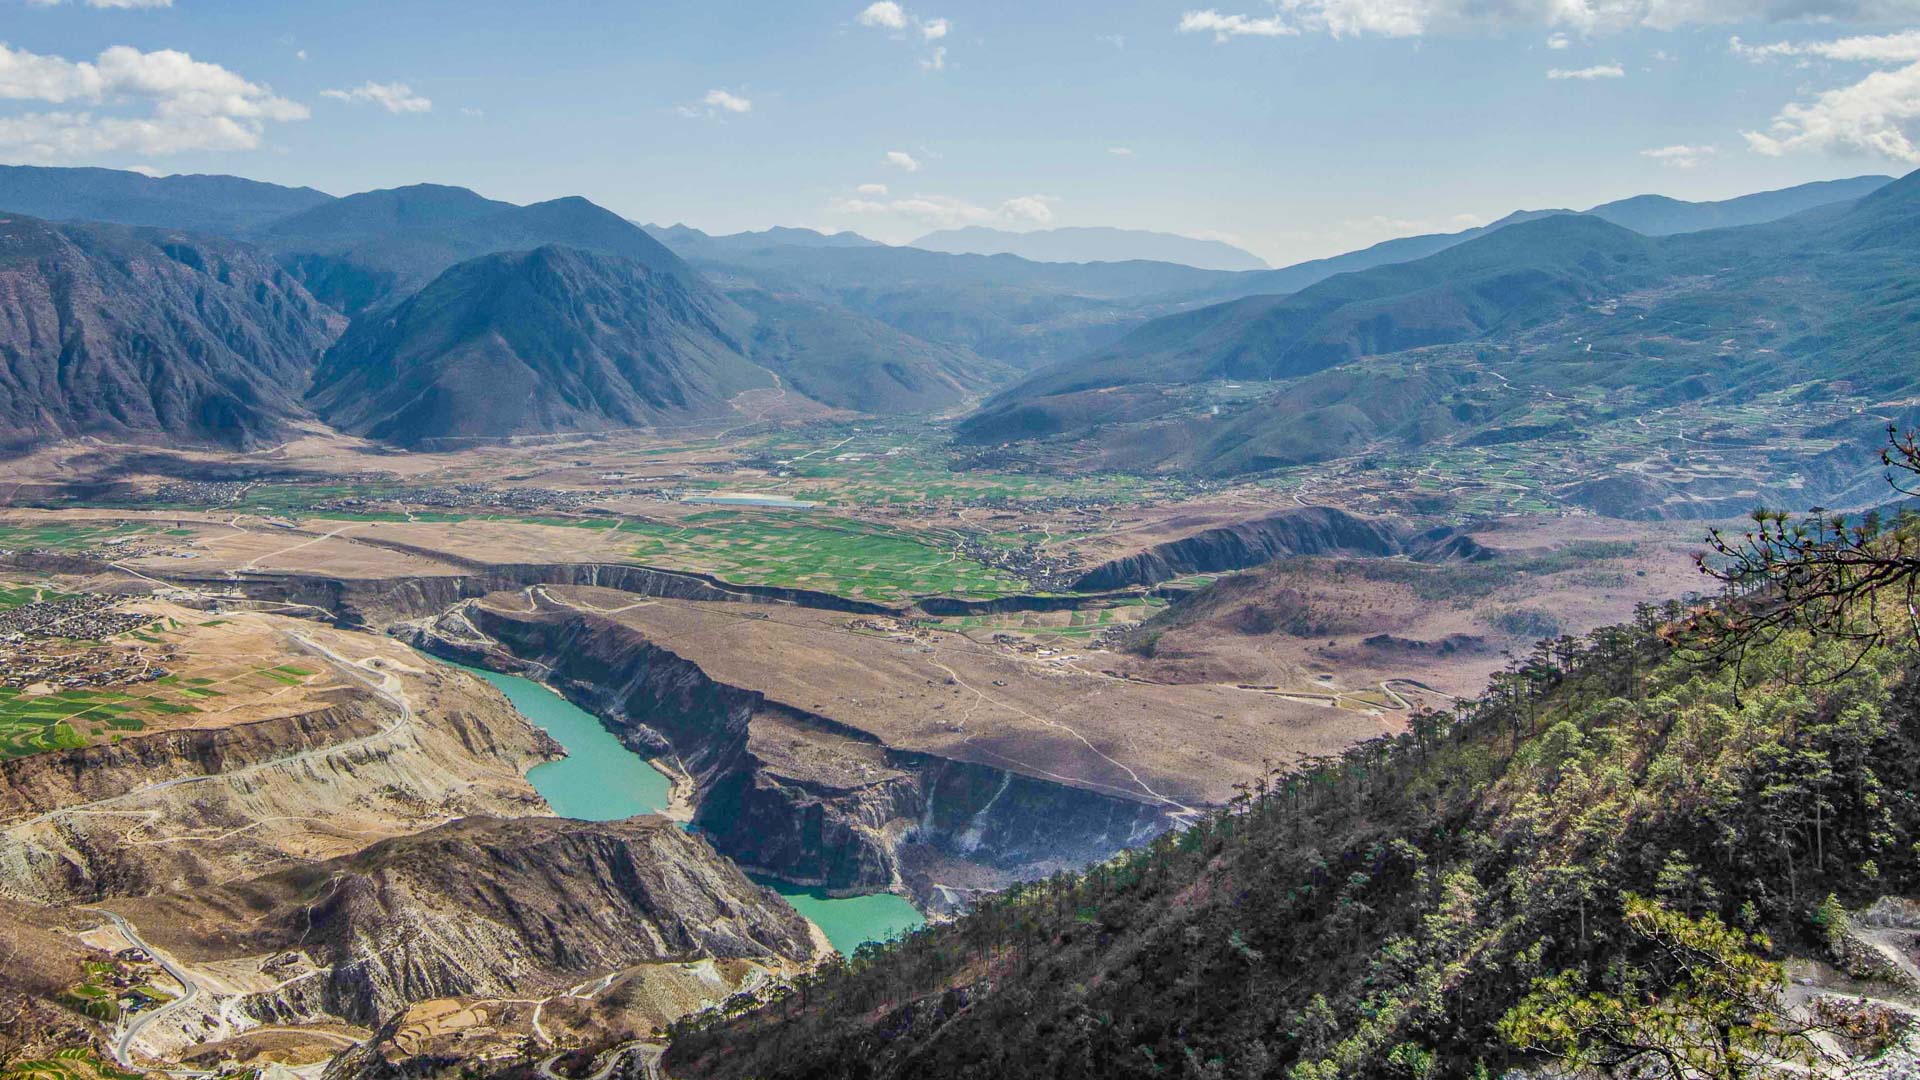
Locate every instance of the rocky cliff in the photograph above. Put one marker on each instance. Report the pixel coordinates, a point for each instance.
(1302, 530)
(362, 602)
(790, 792)
(187, 808)
(482, 906)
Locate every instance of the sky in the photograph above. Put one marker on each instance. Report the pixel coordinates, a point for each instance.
(1294, 128)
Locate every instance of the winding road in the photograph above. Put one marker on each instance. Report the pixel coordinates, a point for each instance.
(123, 1042)
(649, 1054)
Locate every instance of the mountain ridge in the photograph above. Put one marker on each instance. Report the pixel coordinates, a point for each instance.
(1084, 244)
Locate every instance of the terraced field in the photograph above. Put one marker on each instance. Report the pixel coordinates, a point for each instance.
(73, 1064)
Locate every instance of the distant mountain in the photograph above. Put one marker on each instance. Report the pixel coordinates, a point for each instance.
(1657, 215)
(225, 205)
(689, 242)
(1008, 309)
(368, 250)
(844, 359)
(1417, 352)
(556, 339)
(149, 335)
(1504, 278)
(1649, 215)
(1092, 244)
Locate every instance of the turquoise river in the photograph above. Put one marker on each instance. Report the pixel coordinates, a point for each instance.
(602, 780)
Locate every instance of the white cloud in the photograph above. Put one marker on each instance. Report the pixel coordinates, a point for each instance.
(1558, 41)
(888, 15)
(872, 189)
(1875, 48)
(395, 97)
(721, 99)
(148, 103)
(145, 170)
(1680, 155)
(300, 54)
(1411, 18)
(1033, 209)
(946, 212)
(468, 110)
(1232, 26)
(1597, 71)
(902, 160)
(1878, 115)
(1120, 151)
(885, 14)
(1118, 41)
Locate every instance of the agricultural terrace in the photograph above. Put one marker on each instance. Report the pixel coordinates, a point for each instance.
(72, 1064)
(215, 666)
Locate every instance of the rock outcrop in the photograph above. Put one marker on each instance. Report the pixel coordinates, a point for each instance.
(483, 906)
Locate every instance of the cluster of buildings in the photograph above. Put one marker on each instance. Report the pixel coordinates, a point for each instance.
(86, 616)
(35, 649)
(1045, 571)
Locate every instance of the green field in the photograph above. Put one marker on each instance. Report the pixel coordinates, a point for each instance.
(833, 554)
(14, 594)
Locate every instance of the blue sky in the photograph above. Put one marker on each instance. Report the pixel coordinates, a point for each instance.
(1297, 128)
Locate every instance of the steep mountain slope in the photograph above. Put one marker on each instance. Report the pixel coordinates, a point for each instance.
(1609, 854)
(556, 339)
(149, 335)
(1092, 244)
(225, 205)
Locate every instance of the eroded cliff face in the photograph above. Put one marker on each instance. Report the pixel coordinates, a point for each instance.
(1305, 530)
(487, 907)
(363, 602)
(187, 808)
(792, 793)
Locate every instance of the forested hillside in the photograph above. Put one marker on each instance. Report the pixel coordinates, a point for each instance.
(1604, 859)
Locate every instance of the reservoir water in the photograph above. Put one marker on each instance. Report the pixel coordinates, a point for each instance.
(599, 779)
(602, 780)
(851, 921)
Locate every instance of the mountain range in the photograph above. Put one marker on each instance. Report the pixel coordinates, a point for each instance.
(221, 311)
(1563, 302)
(1092, 244)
